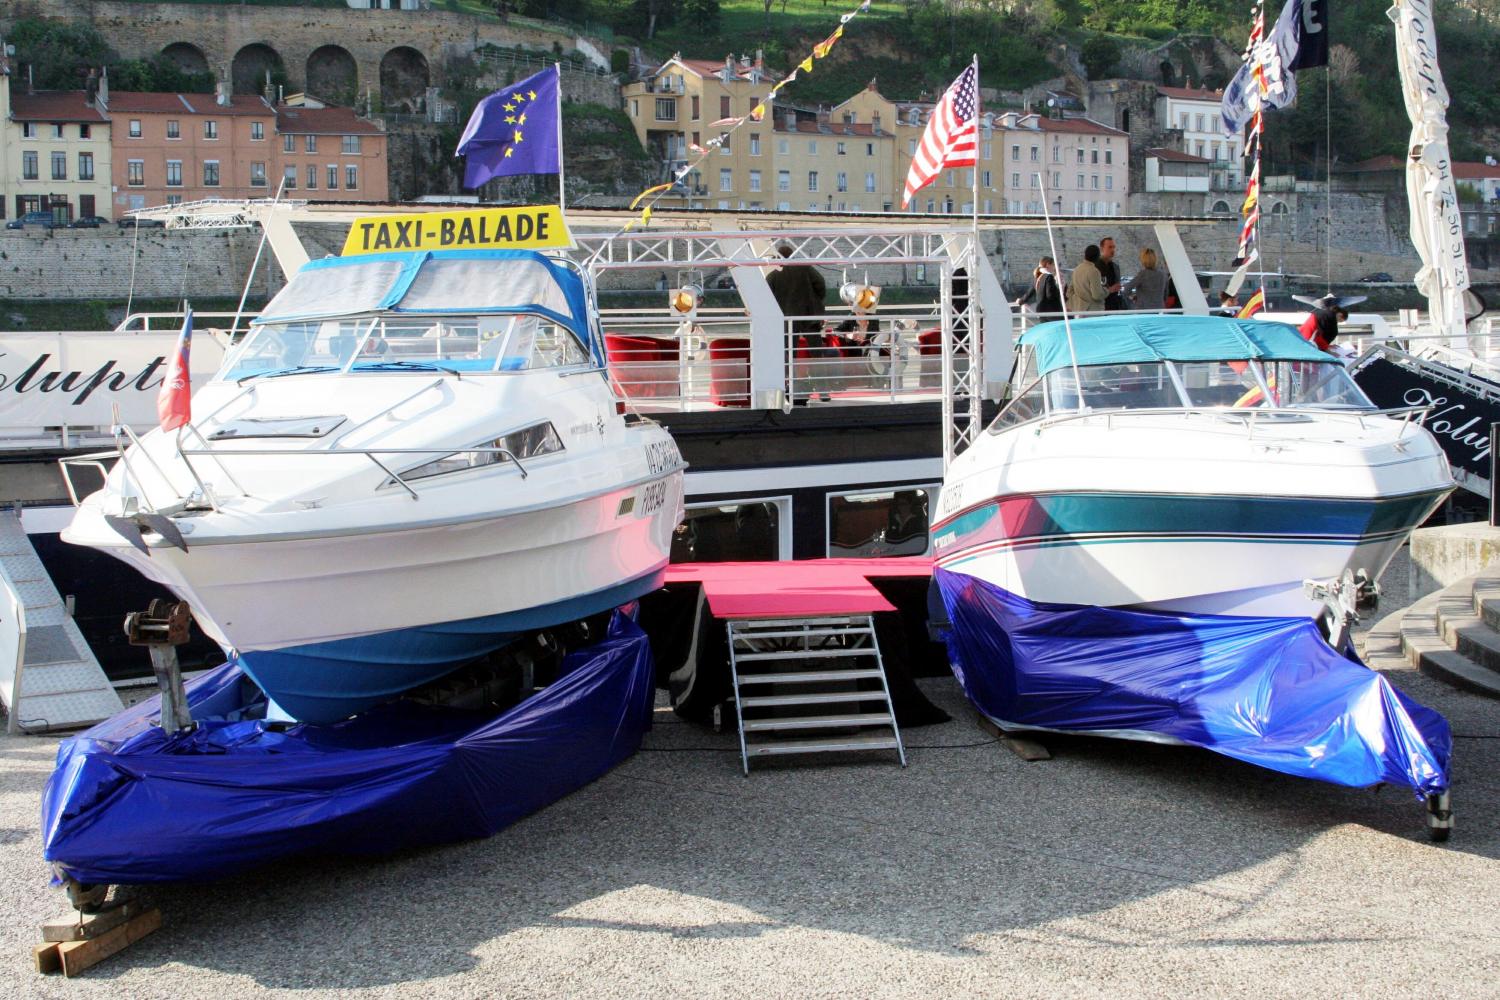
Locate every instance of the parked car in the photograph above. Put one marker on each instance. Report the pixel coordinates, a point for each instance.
(127, 221)
(1376, 278)
(88, 222)
(43, 219)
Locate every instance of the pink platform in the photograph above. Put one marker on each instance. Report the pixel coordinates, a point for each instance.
(798, 589)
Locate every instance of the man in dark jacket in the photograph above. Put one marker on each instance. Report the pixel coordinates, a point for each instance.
(799, 290)
(1109, 271)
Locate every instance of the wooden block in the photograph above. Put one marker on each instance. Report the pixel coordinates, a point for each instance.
(80, 955)
(81, 927)
(1027, 750)
(47, 959)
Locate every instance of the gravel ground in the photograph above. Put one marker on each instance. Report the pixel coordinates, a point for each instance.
(1114, 869)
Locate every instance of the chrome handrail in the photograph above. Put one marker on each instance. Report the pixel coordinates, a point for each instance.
(1251, 414)
(369, 453)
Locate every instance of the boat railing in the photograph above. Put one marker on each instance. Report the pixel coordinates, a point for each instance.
(660, 364)
(236, 325)
(1249, 416)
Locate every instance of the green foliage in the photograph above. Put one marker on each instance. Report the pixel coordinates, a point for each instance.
(159, 74)
(619, 61)
(703, 14)
(1100, 55)
(60, 56)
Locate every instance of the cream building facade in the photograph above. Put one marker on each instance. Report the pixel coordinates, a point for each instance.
(54, 154)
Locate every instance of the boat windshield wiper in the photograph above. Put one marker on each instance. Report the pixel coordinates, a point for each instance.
(402, 366)
(293, 370)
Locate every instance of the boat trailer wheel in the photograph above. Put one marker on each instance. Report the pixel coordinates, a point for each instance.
(1439, 816)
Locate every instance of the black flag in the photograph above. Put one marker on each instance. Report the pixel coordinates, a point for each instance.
(1312, 35)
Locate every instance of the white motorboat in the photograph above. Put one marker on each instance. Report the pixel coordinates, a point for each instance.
(1208, 465)
(413, 458)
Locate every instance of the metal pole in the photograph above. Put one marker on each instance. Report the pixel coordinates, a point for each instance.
(561, 195)
(1494, 469)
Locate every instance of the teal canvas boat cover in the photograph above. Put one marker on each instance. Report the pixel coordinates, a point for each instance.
(1133, 338)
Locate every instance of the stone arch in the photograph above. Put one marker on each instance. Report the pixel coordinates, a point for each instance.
(187, 57)
(252, 63)
(1221, 207)
(403, 79)
(333, 75)
(1279, 208)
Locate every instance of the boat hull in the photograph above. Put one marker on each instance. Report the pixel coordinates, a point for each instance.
(329, 625)
(1212, 554)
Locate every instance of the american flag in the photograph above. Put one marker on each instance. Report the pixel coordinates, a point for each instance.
(951, 134)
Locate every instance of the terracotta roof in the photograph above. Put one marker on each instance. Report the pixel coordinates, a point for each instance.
(864, 129)
(324, 121)
(1175, 155)
(1086, 126)
(150, 102)
(1191, 94)
(53, 106)
(1475, 171)
(714, 67)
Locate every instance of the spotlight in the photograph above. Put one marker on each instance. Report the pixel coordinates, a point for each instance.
(860, 297)
(684, 301)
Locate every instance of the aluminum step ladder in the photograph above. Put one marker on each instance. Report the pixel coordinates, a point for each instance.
(49, 678)
(810, 685)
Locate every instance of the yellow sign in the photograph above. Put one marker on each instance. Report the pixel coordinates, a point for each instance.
(533, 227)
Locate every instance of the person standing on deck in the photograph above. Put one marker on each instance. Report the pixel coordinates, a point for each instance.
(1045, 294)
(799, 290)
(1147, 290)
(1109, 272)
(1086, 291)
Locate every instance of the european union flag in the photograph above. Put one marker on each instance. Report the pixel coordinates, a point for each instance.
(513, 131)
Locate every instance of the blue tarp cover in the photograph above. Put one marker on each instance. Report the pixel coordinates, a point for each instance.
(1134, 338)
(1268, 691)
(128, 804)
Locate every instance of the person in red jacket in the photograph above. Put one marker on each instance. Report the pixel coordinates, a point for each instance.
(1322, 324)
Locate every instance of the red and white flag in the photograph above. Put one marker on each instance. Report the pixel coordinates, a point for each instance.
(174, 401)
(951, 136)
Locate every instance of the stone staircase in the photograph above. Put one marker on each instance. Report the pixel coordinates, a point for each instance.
(1452, 635)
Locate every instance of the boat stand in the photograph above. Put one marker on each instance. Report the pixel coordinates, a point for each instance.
(78, 941)
(161, 628)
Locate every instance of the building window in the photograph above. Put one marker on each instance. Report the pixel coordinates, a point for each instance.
(1015, 152)
(1080, 155)
(783, 180)
(135, 173)
(1094, 182)
(310, 143)
(783, 147)
(210, 173)
(1057, 178)
(988, 150)
(135, 128)
(257, 131)
(59, 166)
(28, 131)
(1056, 154)
(1080, 182)
(987, 181)
(86, 167)
(351, 177)
(1200, 124)
(85, 131)
(724, 146)
(174, 199)
(1015, 180)
(696, 113)
(783, 206)
(57, 130)
(812, 180)
(724, 111)
(755, 180)
(351, 145)
(635, 107)
(754, 143)
(333, 177)
(312, 177)
(1036, 153)
(1035, 179)
(174, 129)
(174, 173)
(726, 179)
(838, 149)
(870, 183)
(841, 180)
(1184, 121)
(869, 149)
(289, 144)
(289, 178)
(210, 129)
(258, 174)
(1109, 182)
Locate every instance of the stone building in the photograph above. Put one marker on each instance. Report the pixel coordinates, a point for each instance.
(54, 153)
(332, 154)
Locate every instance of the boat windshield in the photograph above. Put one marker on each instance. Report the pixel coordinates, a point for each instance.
(1157, 385)
(494, 343)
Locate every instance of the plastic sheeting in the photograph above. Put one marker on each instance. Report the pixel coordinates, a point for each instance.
(1268, 691)
(1133, 338)
(129, 804)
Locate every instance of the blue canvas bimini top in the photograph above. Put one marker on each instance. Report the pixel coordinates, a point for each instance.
(1132, 338)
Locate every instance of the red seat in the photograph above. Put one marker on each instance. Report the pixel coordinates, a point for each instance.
(930, 343)
(729, 371)
(643, 366)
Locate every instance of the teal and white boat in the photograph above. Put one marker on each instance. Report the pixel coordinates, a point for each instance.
(1184, 463)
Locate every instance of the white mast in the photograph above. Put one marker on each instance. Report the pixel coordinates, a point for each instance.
(1436, 224)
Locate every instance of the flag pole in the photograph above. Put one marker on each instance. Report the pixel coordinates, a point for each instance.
(561, 194)
(978, 148)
